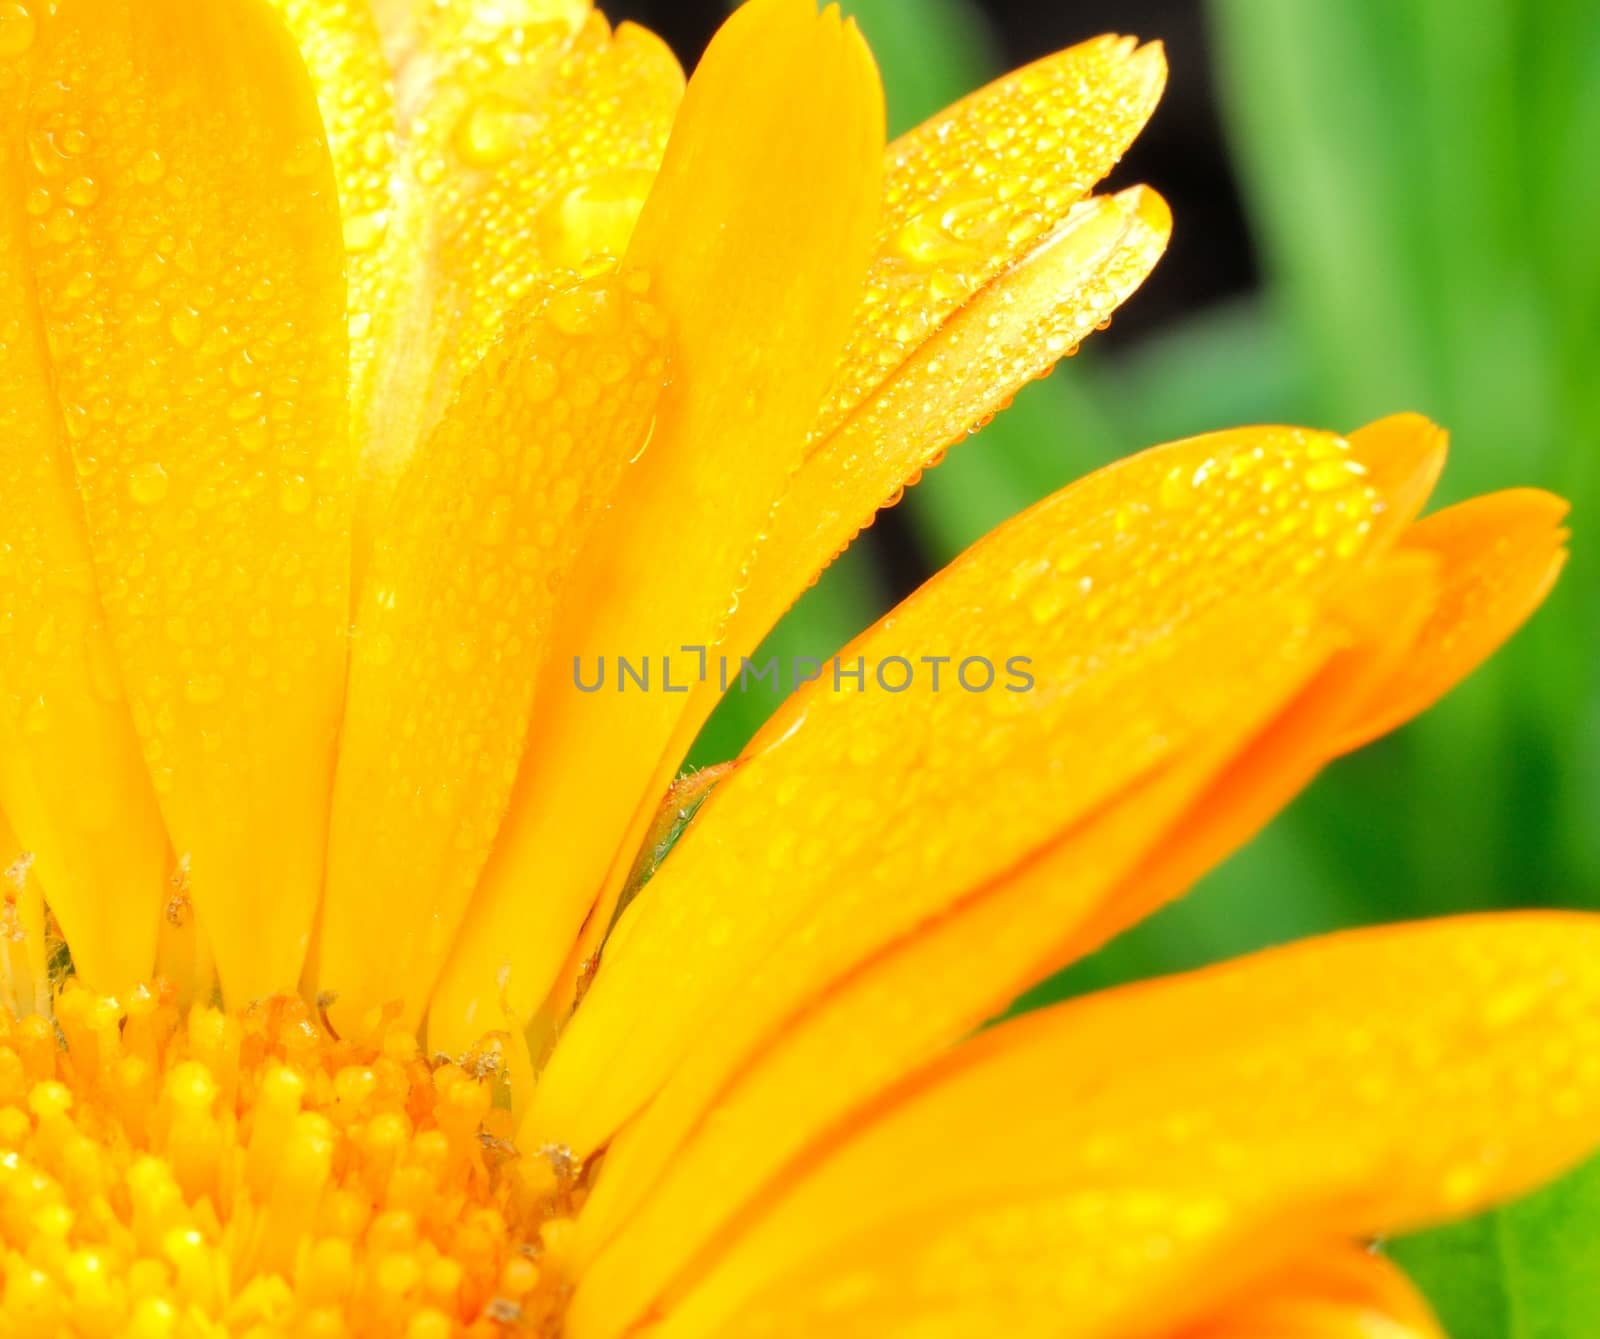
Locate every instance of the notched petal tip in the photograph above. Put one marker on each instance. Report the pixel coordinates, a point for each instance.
(1148, 210)
(1150, 60)
(1497, 558)
(1404, 455)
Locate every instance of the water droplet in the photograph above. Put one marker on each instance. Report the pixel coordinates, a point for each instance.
(1328, 475)
(149, 168)
(204, 689)
(594, 218)
(1178, 488)
(294, 494)
(147, 484)
(582, 311)
(36, 720)
(931, 237)
(252, 435)
(492, 130)
(644, 442)
(185, 327)
(18, 28)
(83, 191)
(362, 232)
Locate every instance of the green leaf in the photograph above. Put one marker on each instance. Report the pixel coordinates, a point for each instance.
(1528, 1271)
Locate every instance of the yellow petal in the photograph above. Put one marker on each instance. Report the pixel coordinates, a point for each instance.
(1167, 1144)
(980, 185)
(1340, 1292)
(72, 781)
(339, 41)
(987, 260)
(757, 234)
(740, 1106)
(414, 29)
(1007, 334)
(451, 623)
(1499, 556)
(24, 956)
(187, 259)
(844, 802)
(529, 135)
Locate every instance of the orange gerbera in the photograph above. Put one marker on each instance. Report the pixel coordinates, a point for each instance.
(323, 469)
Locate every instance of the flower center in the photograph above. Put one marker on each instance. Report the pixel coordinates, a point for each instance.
(161, 1167)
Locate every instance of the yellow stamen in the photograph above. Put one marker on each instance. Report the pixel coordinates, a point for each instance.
(163, 1172)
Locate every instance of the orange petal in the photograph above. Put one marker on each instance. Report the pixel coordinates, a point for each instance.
(1104, 587)
(72, 781)
(739, 1107)
(1138, 1158)
(1404, 455)
(460, 592)
(1499, 556)
(1382, 612)
(757, 234)
(185, 249)
(529, 136)
(1340, 1292)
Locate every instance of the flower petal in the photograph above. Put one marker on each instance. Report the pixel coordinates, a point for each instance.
(1168, 1143)
(757, 234)
(979, 186)
(529, 136)
(1107, 587)
(339, 42)
(24, 956)
(1499, 555)
(1007, 334)
(740, 1106)
(1336, 1293)
(450, 624)
(185, 249)
(72, 781)
(987, 259)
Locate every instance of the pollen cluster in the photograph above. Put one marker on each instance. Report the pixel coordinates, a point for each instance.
(195, 1173)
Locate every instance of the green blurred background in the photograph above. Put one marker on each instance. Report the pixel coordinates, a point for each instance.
(1381, 205)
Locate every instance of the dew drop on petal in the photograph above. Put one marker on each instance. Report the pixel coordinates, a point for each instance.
(147, 484)
(18, 28)
(492, 130)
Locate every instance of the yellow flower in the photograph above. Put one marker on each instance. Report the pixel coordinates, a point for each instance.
(366, 370)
